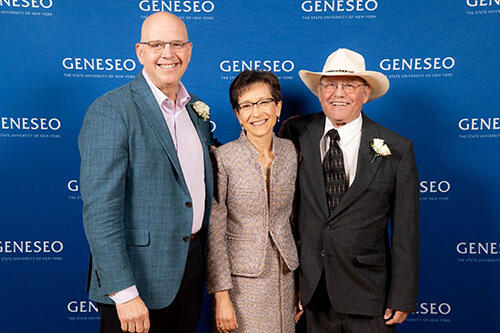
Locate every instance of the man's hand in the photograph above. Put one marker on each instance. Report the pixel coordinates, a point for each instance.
(225, 316)
(397, 316)
(299, 313)
(134, 316)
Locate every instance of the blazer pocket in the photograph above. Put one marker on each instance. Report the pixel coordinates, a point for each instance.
(137, 237)
(233, 237)
(380, 185)
(371, 259)
(244, 256)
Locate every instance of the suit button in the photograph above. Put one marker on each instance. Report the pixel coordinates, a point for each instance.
(189, 204)
(322, 253)
(186, 239)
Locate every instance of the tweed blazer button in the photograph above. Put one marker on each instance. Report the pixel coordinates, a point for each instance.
(189, 204)
(186, 239)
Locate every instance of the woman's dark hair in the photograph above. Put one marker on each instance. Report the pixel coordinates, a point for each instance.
(248, 77)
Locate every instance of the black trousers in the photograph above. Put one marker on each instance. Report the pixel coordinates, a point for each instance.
(183, 314)
(322, 317)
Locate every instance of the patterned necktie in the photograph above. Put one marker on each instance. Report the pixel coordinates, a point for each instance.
(334, 172)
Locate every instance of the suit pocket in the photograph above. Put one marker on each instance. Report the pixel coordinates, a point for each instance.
(380, 186)
(244, 256)
(371, 259)
(137, 237)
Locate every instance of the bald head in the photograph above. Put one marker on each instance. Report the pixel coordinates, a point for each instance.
(162, 21)
(164, 67)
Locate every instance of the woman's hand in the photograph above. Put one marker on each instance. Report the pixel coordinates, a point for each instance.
(225, 316)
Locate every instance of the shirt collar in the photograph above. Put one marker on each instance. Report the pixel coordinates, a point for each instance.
(346, 132)
(182, 95)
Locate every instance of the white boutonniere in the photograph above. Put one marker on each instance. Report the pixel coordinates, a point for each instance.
(201, 109)
(380, 148)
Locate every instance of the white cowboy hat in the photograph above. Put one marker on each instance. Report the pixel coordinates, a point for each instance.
(344, 62)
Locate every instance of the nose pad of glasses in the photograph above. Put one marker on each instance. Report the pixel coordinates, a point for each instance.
(259, 108)
(340, 90)
(167, 50)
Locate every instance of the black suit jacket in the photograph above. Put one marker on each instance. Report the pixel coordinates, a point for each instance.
(367, 266)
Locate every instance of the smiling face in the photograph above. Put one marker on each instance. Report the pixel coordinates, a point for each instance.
(165, 68)
(338, 105)
(258, 121)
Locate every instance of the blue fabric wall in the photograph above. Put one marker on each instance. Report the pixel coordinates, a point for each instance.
(440, 56)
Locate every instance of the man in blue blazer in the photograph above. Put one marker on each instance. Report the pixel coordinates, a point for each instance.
(146, 183)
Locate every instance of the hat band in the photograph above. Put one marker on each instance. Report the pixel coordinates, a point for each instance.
(339, 71)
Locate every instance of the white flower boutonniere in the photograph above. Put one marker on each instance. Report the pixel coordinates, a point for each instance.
(201, 109)
(380, 148)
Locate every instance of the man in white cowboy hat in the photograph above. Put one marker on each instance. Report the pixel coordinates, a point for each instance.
(356, 178)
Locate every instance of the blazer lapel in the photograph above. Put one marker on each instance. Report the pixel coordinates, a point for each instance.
(147, 105)
(196, 120)
(365, 170)
(314, 168)
(206, 154)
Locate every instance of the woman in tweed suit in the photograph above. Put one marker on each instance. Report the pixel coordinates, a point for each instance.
(251, 250)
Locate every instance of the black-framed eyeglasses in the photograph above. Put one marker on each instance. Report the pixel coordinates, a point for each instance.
(158, 46)
(261, 105)
(349, 88)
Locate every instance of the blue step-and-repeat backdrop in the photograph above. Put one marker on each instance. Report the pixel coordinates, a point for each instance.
(442, 59)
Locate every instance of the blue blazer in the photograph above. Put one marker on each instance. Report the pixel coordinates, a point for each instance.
(136, 205)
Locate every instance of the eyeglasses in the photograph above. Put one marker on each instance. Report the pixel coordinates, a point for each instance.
(247, 107)
(158, 46)
(349, 88)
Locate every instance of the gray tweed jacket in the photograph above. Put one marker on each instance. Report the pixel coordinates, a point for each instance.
(243, 215)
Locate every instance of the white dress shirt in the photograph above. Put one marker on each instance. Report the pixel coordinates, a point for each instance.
(350, 138)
